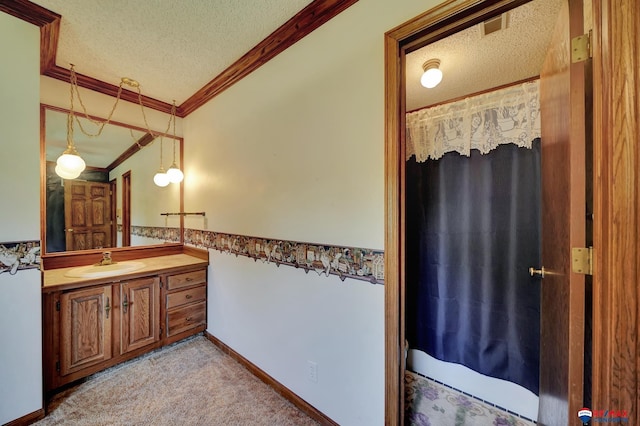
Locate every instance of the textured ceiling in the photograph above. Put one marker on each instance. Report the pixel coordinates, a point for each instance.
(471, 62)
(173, 48)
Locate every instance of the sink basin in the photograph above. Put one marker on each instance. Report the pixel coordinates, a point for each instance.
(98, 271)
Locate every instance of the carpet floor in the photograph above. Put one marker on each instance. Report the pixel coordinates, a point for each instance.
(189, 383)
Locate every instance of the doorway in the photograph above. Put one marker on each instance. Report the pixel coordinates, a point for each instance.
(428, 28)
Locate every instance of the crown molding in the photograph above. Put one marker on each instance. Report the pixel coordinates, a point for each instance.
(303, 23)
(30, 12)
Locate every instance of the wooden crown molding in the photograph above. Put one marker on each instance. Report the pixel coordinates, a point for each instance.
(100, 86)
(30, 12)
(49, 23)
(128, 153)
(303, 23)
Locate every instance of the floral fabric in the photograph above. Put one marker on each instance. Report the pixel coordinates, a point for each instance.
(428, 403)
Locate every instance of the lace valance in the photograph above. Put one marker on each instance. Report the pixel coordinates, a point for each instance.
(483, 122)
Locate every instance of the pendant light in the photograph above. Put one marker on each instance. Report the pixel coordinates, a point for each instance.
(69, 165)
(161, 178)
(174, 173)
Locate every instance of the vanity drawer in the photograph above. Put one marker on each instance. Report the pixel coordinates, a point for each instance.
(186, 279)
(189, 316)
(183, 297)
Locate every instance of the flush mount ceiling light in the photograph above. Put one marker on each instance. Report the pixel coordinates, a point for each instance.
(432, 75)
(69, 165)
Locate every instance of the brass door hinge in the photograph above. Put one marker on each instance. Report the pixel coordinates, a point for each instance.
(582, 260)
(581, 48)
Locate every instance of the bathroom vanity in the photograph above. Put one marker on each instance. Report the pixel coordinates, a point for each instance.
(96, 316)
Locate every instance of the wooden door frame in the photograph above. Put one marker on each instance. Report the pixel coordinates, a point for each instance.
(126, 209)
(113, 193)
(439, 22)
(616, 228)
(616, 191)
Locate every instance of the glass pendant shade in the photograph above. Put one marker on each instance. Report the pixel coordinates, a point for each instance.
(175, 174)
(161, 178)
(70, 164)
(66, 174)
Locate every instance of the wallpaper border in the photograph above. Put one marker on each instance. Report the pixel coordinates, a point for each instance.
(166, 234)
(325, 259)
(19, 255)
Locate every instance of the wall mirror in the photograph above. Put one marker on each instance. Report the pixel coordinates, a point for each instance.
(114, 202)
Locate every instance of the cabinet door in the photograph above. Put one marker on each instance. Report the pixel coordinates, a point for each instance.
(85, 328)
(140, 321)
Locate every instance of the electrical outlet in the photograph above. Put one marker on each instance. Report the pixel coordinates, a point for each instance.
(312, 371)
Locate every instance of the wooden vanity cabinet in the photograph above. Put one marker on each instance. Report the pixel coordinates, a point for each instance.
(139, 313)
(90, 328)
(185, 304)
(85, 328)
(94, 327)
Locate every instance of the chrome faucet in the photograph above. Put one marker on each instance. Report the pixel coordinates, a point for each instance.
(106, 259)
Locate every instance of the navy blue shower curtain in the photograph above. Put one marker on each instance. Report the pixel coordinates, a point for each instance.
(472, 231)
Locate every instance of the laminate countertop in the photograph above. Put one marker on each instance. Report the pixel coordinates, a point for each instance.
(56, 279)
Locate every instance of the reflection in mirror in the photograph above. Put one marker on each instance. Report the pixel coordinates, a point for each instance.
(114, 202)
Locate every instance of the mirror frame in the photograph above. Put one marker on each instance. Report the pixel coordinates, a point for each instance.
(59, 259)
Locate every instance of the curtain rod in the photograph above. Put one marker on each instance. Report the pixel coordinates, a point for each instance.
(481, 92)
(183, 214)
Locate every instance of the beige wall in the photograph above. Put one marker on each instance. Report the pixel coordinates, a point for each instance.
(20, 124)
(296, 151)
(20, 318)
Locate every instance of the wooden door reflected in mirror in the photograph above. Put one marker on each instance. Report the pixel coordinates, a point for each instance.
(122, 162)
